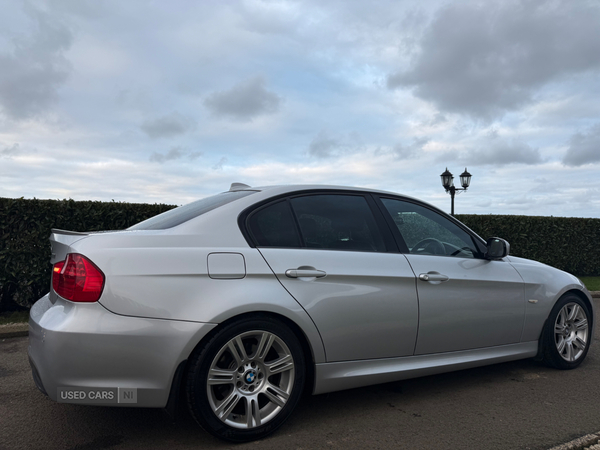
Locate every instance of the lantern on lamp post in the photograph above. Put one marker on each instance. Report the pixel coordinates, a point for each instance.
(448, 183)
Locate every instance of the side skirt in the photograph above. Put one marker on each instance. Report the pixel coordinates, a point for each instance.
(337, 376)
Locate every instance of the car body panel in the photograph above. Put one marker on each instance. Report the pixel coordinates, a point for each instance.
(338, 376)
(481, 305)
(543, 285)
(364, 307)
(60, 240)
(166, 277)
(86, 346)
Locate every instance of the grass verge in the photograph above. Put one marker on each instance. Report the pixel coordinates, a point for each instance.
(592, 283)
(14, 317)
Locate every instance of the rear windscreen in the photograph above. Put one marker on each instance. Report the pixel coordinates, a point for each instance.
(187, 212)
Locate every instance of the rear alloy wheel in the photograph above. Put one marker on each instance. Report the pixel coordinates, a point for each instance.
(247, 379)
(567, 333)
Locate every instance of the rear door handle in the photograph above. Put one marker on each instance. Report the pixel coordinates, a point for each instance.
(304, 273)
(433, 276)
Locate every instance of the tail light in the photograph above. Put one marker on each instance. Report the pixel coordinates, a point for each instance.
(77, 279)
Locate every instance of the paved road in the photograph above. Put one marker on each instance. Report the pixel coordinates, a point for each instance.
(518, 405)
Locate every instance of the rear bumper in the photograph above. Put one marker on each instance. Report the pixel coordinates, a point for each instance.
(89, 351)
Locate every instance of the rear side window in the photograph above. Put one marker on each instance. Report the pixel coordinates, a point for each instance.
(320, 221)
(337, 222)
(273, 226)
(190, 211)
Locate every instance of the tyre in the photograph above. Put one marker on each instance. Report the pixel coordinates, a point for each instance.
(567, 333)
(246, 380)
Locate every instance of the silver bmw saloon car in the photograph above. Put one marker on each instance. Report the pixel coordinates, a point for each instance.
(241, 301)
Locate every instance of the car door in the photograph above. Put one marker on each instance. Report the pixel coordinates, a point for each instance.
(465, 301)
(328, 252)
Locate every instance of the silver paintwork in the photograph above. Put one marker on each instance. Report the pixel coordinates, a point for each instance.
(226, 266)
(60, 241)
(366, 317)
(352, 374)
(365, 307)
(480, 305)
(85, 345)
(546, 285)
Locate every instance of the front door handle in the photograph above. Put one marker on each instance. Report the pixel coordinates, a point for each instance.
(433, 276)
(304, 273)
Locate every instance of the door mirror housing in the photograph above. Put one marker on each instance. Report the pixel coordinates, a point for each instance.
(497, 248)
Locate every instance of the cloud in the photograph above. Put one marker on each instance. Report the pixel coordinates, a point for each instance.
(411, 150)
(494, 150)
(8, 152)
(220, 164)
(327, 145)
(324, 145)
(502, 152)
(173, 154)
(483, 59)
(170, 125)
(438, 119)
(277, 18)
(35, 67)
(244, 101)
(584, 148)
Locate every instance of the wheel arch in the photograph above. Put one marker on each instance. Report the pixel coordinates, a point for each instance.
(583, 297)
(307, 350)
(590, 304)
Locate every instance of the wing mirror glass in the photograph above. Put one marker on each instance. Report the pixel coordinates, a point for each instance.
(497, 248)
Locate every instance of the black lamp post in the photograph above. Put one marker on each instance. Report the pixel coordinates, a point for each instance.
(448, 183)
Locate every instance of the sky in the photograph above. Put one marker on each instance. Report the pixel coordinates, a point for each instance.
(169, 102)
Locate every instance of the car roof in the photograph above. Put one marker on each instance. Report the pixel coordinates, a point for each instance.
(282, 189)
(288, 188)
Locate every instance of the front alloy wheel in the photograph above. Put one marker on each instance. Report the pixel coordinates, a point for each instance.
(247, 379)
(571, 332)
(567, 333)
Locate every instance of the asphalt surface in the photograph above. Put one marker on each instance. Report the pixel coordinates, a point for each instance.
(517, 405)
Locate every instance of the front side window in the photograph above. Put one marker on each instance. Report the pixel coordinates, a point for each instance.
(426, 232)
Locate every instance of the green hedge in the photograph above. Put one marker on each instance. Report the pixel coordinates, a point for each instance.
(569, 244)
(24, 231)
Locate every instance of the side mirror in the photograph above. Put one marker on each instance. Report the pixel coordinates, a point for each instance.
(496, 248)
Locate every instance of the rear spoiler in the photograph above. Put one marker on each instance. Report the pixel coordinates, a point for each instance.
(68, 233)
(60, 241)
